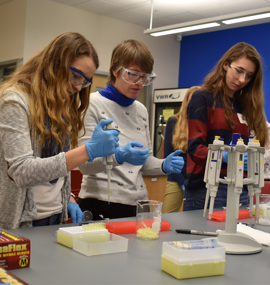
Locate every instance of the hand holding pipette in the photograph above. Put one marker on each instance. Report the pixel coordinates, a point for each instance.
(102, 143)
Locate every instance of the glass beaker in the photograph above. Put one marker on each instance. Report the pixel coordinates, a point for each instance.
(148, 219)
(264, 210)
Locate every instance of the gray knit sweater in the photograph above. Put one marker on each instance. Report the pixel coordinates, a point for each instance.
(20, 166)
(127, 184)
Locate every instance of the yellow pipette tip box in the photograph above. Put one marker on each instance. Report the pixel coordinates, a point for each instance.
(65, 235)
(91, 239)
(193, 258)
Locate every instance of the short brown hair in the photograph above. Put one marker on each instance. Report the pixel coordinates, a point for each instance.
(130, 52)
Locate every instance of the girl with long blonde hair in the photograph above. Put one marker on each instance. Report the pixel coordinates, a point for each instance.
(230, 101)
(176, 137)
(42, 109)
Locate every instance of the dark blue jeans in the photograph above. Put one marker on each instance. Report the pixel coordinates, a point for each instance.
(52, 220)
(194, 200)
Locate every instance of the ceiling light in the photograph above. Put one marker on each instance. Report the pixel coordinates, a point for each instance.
(244, 19)
(185, 29)
(213, 22)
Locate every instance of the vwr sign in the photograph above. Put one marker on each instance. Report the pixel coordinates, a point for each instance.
(160, 97)
(169, 95)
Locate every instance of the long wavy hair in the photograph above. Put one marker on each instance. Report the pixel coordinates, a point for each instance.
(251, 96)
(130, 52)
(44, 79)
(180, 131)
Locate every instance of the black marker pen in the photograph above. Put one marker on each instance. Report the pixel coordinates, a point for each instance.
(192, 232)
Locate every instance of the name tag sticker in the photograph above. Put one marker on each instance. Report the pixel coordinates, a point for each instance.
(241, 119)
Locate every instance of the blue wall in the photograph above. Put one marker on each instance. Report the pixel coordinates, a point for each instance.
(200, 53)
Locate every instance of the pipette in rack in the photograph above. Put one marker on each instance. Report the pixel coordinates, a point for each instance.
(257, 168)
(211, 177)
(235, 180)
(240, 149)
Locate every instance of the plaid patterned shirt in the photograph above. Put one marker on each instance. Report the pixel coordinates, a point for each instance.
(203, 126)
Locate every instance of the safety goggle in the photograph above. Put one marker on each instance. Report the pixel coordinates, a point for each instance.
(240, 73)
(78, 78)
(133, 77)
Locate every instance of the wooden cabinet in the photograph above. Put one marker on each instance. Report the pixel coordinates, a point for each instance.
(99, 83)
(156, 186)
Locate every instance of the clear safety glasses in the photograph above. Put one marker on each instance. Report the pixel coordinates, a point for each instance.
(133, 77)
(240, 73)
(78, 78)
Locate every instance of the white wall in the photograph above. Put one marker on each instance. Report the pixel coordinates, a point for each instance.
(12, 30)
(26, 26)
(46, 19)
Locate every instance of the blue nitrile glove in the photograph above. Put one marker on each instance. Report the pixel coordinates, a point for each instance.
(173, 163)
(225, 156)
(75, 212)
(246, 162)
(129, 154)
(183, 187)
(103, 143)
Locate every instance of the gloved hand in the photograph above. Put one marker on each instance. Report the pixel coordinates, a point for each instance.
(103, 143)
(246, 162)
(225, 156)
(173, 163)
(75, 212)
(129, 154)
(183, 187)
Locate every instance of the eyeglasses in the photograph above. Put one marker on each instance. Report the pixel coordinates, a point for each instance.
(133, 77)
(240, 73)
(78, 78)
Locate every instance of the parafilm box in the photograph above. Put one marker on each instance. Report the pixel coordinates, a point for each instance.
(14, 251)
